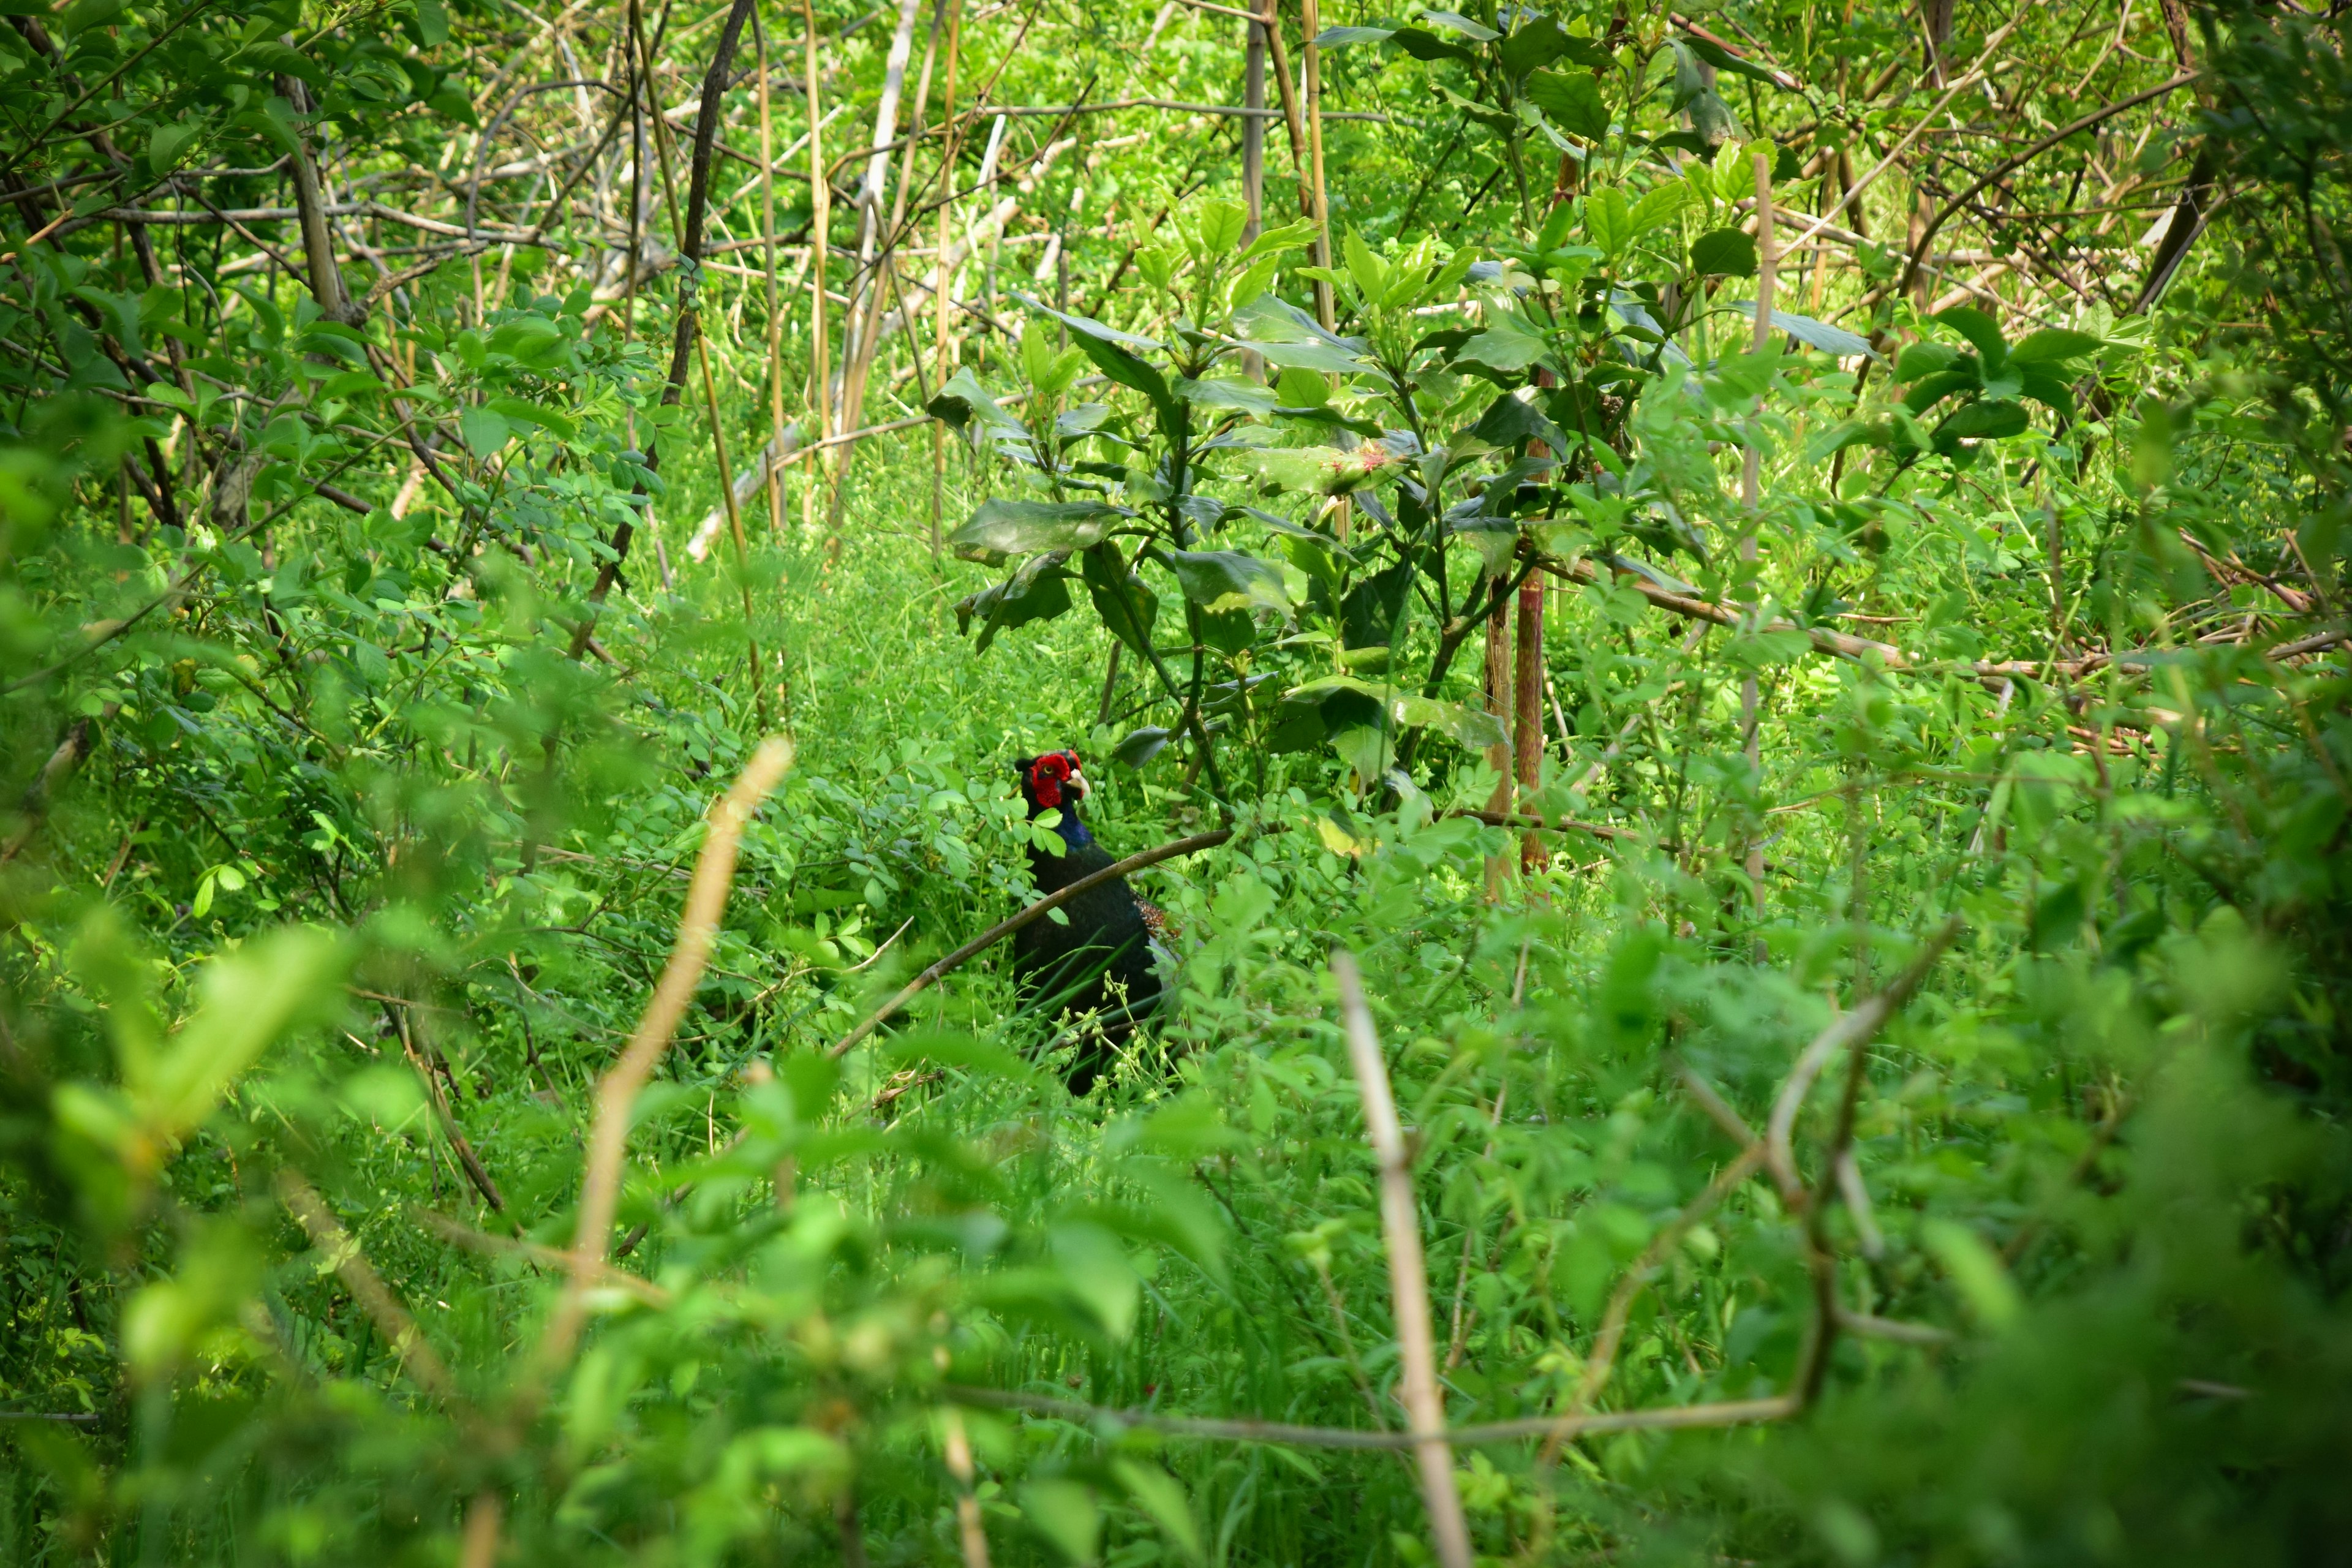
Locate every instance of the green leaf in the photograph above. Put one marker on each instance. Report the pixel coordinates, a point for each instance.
(1726, 252)
(1510, 419)
(1126, 604)
(1427, 47)
(1723, 59)
(1505, 345)
(1572, 100)
(1340, 38)
(1038, 591)
(1471, 727)
(1537, 43)
(247, 1000)
(432, 21)
(964, 400)
(1160, 1496)
(1292, 235)
(1608, 219)
(1454, 22)
(1924, 359)
(1983, 422)
(1109, 348)
(1658, 205)
(485, 431)
(1063, 1513)
(2052, 344)
(517, 411)
(168, 142)
(1975, 1268)
(1369, 275)
(1833, 340)
(1979, 330)
(1235, 396)
(1095, 1269)
(1137, 747)
(1219, 579)
(1221, 226)
(1000, 530)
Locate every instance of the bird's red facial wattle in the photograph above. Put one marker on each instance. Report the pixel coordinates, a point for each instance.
(1053, 774)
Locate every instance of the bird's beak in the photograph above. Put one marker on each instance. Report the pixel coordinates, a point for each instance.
(1078, 782)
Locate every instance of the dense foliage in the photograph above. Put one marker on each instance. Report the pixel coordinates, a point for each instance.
(1864, 962)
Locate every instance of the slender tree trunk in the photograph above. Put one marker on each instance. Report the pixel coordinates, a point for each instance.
(682, 341)
(1498, 684)
(1253, 131)
(1527, 731)
(820, 228)
(942, 276)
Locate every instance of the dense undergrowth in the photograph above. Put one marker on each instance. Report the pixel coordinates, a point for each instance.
(1942, 1110)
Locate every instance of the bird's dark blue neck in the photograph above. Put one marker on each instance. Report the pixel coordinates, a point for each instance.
(1074, 832)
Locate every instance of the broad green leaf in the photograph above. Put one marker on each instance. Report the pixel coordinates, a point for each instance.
(1160, 1495)
(1608, 219)
(518, 411)
(1002, 529)
(2051, 344)
(1125, 602)
(1726, 252)
(1137, 747)
(1340, 38)
(1658, 205)
(1918, 361)
(1306, 356)
(1233, 396)
(1835, 342)
(1572, 100)
(1723, 59)
(1096, 1270)
(1221, 226)
(1290, 235)
(1979, 330)
(1454, 22)
(485, 431)
(169, 141)
(1511, 418)
(1221, 580)
(1984, 1283)
(1111, 351)
(1064, 1513)
(1370, 276)
(1983, 422)
(1536, 43)
(246, 1002)
(1505, 345)
(964, 400)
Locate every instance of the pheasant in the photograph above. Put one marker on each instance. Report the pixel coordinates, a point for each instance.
(1101, 961)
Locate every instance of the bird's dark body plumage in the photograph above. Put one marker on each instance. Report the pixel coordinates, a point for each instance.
(1100, 961)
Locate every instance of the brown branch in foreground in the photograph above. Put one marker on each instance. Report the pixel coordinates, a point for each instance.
(468, 1160)
(1005, 927)
(1849, 1031)
(1408, 1273)
(1725, 1413)
(706, 901)
(367, 1288)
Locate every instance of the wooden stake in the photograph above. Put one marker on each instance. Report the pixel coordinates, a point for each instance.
(1526, 737)
(1408, 1273)
(775, 317)
(820, 223)
(1499, 755)
(941, 283)
(1751, 493)
(1311, 22)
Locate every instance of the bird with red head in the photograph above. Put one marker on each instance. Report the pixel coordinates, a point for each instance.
(1100, 962)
